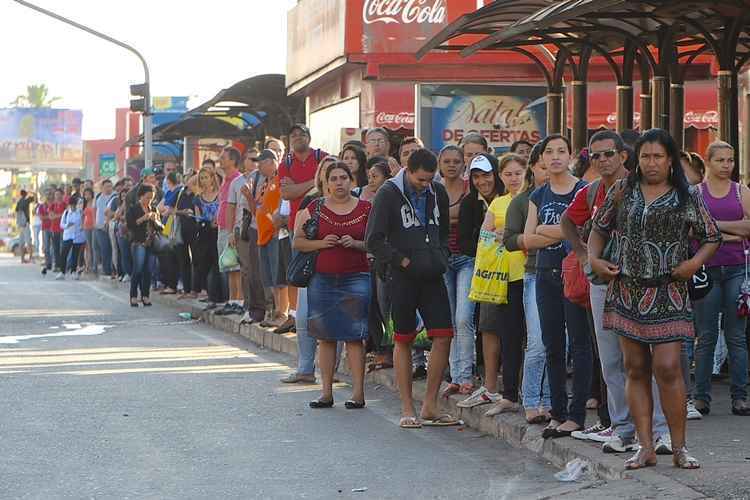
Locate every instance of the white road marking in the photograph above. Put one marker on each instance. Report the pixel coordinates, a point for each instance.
(83, 331)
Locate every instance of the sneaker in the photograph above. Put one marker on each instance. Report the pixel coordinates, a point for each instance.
(296, 378)
(479, 397)
(740, 407)
(597, 433)
(246, 318)
(502, 406)
(60, 276)
(619, 445)
(663, 445)
(692, 413)
(44, 271)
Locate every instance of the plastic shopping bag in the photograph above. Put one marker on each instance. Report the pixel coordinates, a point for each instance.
(490, 281)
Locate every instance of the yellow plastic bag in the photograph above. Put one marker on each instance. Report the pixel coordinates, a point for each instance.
(491, 271)
(167, 230)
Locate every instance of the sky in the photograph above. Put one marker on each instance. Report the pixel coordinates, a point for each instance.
(192, 47)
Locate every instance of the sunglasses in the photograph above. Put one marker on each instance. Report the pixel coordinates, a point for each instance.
(607, 154)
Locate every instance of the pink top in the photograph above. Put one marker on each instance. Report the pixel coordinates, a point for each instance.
(224, 200)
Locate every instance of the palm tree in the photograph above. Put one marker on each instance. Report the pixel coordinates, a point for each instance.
(37, 96)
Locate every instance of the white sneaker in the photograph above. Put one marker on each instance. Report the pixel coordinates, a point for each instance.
(126, 278)
(77, 276)
(60, 276)
(479, 397)
(663, 445)
(597, 433)
(502, 406)
(619, 445)
(246, 318)
(692, 413)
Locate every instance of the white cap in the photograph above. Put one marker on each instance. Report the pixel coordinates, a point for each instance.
(480, 162)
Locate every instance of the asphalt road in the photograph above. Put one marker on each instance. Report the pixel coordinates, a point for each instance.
(101, 400)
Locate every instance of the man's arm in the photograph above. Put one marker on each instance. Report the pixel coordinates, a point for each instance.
(291, 191)
(376, 235)
(570, 232)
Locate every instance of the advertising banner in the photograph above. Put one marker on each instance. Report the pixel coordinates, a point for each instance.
(41, 135)
(107, 165)
(500, 113)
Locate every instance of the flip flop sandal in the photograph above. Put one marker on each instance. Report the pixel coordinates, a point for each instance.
(354, 405)
(450, 390)
(441, 421)
(640, 460)
(378, 366)
(320, 403)
(410, 423)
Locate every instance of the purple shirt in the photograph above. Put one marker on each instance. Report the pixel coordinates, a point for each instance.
(728, 208)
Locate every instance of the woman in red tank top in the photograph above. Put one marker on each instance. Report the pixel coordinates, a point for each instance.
(339, 293)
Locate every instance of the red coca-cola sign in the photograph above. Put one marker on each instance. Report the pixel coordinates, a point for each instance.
(404, 11)
(395, 120)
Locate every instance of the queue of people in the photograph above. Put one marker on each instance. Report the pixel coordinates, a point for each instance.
(621, 267)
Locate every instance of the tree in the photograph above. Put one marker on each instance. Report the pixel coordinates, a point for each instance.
(37, 96)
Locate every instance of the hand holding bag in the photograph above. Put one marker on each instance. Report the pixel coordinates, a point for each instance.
(302, 266)
(489, 284)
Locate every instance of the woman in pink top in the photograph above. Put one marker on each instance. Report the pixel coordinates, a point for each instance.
(729, 204)
(89, 218)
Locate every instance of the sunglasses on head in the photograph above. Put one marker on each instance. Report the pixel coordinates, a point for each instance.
(606, 154)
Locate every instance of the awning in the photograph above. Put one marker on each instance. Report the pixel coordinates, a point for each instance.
(700, 105)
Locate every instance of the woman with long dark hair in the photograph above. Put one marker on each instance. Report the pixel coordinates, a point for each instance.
(649, 221)
(143, 222)
(356, 159)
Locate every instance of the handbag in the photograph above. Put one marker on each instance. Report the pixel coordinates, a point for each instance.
(302, 265)
(228, 259)
(575, 284)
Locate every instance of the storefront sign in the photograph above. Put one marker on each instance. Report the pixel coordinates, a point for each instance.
(394, 120)
(404, 11)
(107, 165)
(697, 119)
(501, 114)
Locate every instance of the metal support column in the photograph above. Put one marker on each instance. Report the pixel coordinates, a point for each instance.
(624, 107)
(677, 113)
(580, 127)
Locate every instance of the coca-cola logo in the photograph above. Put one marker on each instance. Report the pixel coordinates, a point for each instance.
(402, 118)
(404, 11)
(707, 118)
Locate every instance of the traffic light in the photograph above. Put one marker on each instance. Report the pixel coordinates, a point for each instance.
(142, 103)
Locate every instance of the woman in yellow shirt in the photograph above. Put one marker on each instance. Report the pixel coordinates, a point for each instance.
(502, 326)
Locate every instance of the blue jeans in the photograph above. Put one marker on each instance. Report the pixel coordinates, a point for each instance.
(49, 251)
(722, 298)
(557, 314)
(103, 252)
(126, 259)
(306, 345)
(535, 386)
(141, 277)
(458, 282)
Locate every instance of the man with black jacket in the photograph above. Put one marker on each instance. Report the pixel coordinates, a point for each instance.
(408, 234)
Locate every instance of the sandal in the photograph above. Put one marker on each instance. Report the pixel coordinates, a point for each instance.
(551, 428)
(644, 457)
(467, 389)
(441, 421)
(450, 390)
(321, 403)
(682, 460)
(535, 417)
(410, 423)
(354, 405)
(146, 302)
(133, 302)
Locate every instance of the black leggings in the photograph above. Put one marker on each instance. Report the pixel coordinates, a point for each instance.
(511, 328)
(206, 261)
(184, 266)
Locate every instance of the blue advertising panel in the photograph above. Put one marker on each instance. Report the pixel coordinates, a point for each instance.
(41, 134)
(502, 114)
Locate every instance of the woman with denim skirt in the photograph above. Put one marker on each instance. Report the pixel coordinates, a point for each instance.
(559, 317)
(338, 295)
(458, 276)
(729, 204)
(535, 385)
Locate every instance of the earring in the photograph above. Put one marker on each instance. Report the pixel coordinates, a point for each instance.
(671, 171)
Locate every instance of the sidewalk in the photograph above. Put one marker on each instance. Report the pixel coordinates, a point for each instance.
(720, 441)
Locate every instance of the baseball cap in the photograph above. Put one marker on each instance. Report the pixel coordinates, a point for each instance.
(480, 162)
(299, 126)
(267, 154)
(77, 181)
(147, 171)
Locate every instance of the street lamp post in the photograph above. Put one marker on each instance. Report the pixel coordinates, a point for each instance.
(147, 136)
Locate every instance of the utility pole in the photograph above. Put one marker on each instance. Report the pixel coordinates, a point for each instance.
(147, 136)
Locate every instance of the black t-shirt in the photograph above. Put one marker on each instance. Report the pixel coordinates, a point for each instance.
(23, 206)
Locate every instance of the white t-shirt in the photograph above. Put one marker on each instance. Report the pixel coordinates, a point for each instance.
(238, 199)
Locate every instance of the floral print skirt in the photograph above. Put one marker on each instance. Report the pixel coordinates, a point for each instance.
(653, 315)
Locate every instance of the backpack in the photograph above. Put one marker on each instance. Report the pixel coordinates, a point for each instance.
(289, 158)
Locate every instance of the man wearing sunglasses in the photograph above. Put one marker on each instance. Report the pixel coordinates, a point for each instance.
(615, 429)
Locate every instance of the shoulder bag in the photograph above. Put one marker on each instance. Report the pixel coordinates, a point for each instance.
(302, 266)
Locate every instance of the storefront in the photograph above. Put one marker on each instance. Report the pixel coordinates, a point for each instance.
(354, 62)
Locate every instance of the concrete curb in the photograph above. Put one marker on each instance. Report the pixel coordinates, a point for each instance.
(510, 427)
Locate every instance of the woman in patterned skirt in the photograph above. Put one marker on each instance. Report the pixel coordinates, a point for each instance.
(650, 218)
